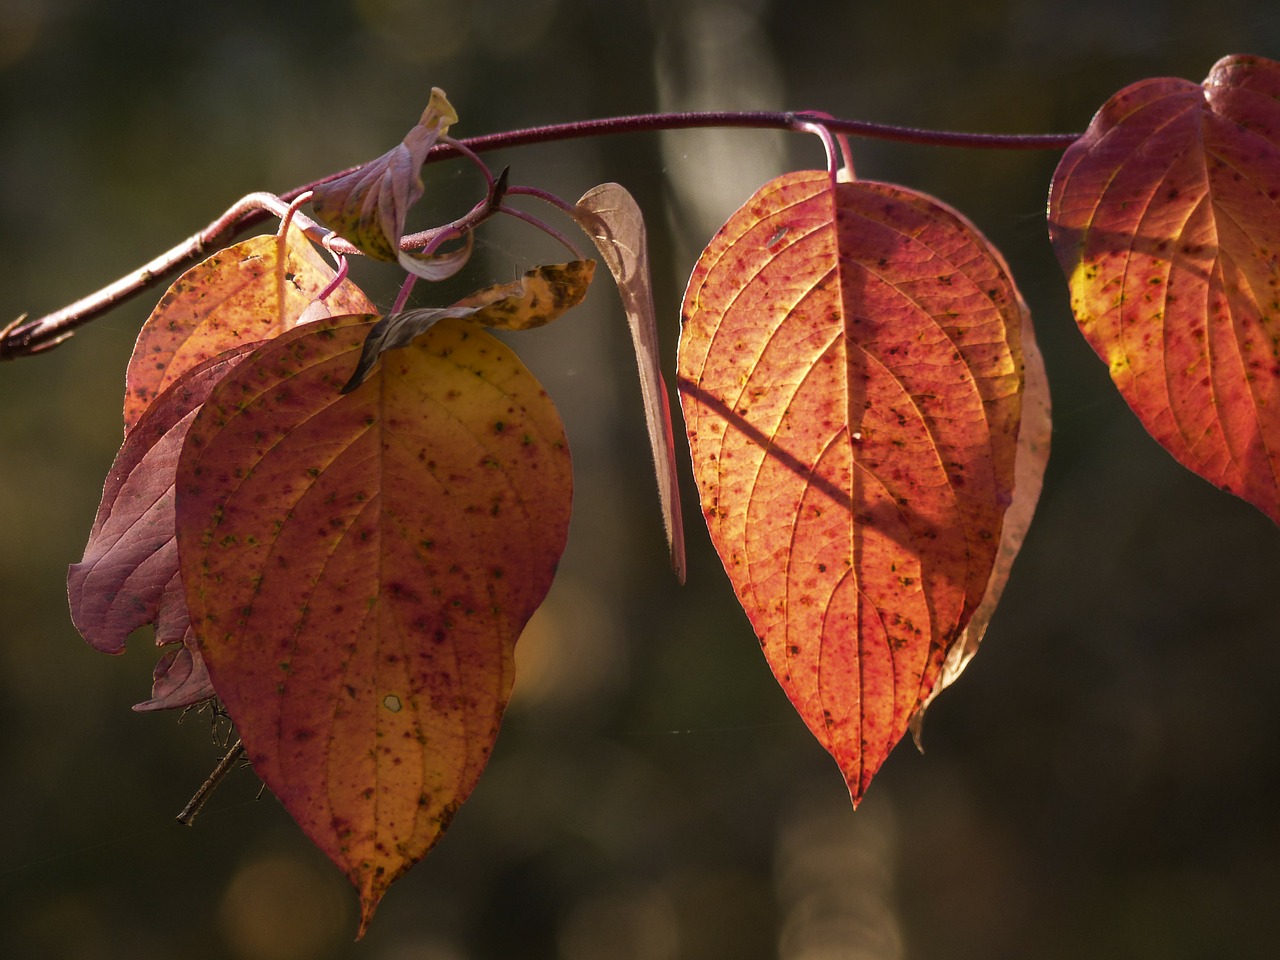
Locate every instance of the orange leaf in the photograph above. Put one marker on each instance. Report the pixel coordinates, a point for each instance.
(1034, 436)
(242, 294)
(358, 567)
(1165, 216)
(850, 373)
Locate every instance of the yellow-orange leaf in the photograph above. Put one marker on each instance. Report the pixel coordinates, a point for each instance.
(242, 294)
(543, 294)
(851, 376)
(358, 567)
(1165, 216)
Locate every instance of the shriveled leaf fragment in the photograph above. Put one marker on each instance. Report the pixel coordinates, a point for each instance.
(1034, 436)
(128, 577)
(543, 294)
(612, 218)
(1165, 216)
(358, 567)
(439, 265)
(242, 294)
(369, 205)
(180, 679)
(540, 296)
(851, 377)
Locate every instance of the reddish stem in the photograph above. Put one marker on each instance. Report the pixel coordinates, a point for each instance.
(757, 120)
(23, 337)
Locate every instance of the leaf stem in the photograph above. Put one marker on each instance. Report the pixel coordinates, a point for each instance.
(23, 337)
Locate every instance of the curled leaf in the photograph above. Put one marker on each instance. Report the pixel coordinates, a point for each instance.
(540, 296)
(180, 679)
(543, 294)
(368, 206)
(438, 266)
(613, 220)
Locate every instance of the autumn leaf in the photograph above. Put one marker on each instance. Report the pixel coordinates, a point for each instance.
(242, 294)
(358, 567)
(180, 679)
(540, 296)
(612, 218)
(1165, 218)
(850, 373)
(128, 577)
(1034, 436)
(369, 205)
(543, 294)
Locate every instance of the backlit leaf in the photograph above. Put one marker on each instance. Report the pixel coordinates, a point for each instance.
(540, 296)
(612, 218)
(368, 206)
(358, 567)
(1034, 435)
(242, 294)
(850, 372)
(543, 294)
(129, 574)
(1165, 216)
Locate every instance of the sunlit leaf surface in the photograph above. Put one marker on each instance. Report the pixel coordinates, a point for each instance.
(851, 375)
(242, 294)
(540, 296)
(1034, 437)
(358, 567)
(1165, 216)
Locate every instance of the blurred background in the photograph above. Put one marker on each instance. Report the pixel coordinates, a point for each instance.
(1101, 783)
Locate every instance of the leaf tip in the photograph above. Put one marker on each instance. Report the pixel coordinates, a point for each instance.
(369, 901)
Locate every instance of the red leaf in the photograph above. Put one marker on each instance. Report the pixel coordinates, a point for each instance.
(850, 373)
(358, 567)
(242, 294)
(1166, 218)
(129, 574)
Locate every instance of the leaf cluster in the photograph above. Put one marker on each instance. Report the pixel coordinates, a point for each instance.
(339, 522)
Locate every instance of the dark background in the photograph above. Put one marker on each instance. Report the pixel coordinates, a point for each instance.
(1102, 782)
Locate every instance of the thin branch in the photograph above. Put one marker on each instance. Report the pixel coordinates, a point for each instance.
(23, 337)
(756, 120)
(197, 802)
(34, 336)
